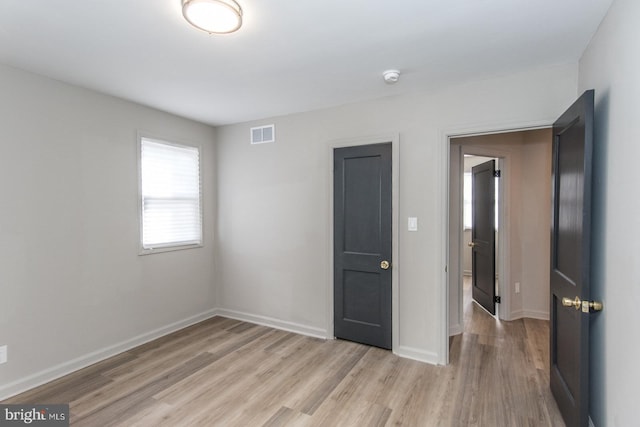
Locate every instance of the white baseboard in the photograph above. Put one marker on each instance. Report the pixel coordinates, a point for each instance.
(530, 314)
(55, 372)
(417, 354)
(284, 325)
(403, 351)
(455, 330)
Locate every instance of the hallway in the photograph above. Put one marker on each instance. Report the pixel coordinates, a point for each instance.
(506, 368)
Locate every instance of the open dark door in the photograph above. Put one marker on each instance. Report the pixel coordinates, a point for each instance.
(483, 236)
(570, 260)
(362, 244)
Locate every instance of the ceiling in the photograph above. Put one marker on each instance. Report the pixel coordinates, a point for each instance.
(290, 55)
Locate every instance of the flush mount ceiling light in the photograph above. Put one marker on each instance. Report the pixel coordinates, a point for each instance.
(213, 16)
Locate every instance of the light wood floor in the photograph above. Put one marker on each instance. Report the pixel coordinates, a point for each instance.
(230, 373)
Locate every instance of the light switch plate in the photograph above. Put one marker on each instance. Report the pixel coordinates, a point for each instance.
(412, 223)
(3, 354)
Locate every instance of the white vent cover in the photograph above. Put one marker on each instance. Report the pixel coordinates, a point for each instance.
(263, 134)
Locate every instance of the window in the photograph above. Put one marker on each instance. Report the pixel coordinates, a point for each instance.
(466, 209)
(170, 196)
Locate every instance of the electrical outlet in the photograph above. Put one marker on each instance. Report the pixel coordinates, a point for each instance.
(517, 287)
(3, 354)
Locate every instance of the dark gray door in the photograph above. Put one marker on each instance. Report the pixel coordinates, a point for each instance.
(362, 244)
(483, 235)
(570, 257)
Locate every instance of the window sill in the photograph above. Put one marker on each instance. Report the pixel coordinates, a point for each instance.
(168, 249)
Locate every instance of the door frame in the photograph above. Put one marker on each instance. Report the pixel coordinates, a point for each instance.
(452, 277)
(394, 139)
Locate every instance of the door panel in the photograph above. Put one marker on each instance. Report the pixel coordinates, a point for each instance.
(570, 259)
(361, 296)
(483, 236)
(361, 187)
(362, 240)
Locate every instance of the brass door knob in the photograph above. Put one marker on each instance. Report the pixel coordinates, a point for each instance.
(471, 244)
(568, 302)
(385, 265)
(586, 306)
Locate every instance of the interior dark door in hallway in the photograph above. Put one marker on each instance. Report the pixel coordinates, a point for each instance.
(570, 258)
(483, 236)
(362, 244)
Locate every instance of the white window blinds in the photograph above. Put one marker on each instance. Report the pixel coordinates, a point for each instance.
(170, 194)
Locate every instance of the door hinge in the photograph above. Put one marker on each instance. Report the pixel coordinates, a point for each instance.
(497, 299)
(496, 173)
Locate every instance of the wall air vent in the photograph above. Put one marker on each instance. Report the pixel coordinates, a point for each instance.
(263, 134)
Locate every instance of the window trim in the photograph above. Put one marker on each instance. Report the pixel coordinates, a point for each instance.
(177, 143)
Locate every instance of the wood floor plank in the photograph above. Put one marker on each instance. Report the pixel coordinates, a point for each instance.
(280, 418)
(117, 413)
(273, 384)
(162, 359)
(170, 339)
(70, 387)
(320, 393)
(360, 413)
(140, 398)
(537, 341)
(287, 417)
(225, 372)
(287, 336)
(235, 384)
(151, 415)
(229, 364)
(149, 372)
(368, 378)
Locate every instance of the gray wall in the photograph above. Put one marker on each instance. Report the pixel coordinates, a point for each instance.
(611, 66)
(536, 223)
(273, 223)
(72, 286)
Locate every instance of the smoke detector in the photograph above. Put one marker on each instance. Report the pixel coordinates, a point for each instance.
(391, 76)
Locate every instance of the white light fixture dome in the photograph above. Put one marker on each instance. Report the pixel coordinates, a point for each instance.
(391, 76)
(213, 16)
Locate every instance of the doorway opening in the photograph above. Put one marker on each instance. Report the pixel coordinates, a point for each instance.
(523, 221)
(480, 212)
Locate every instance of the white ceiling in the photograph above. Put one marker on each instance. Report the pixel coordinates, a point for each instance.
(290, 55)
